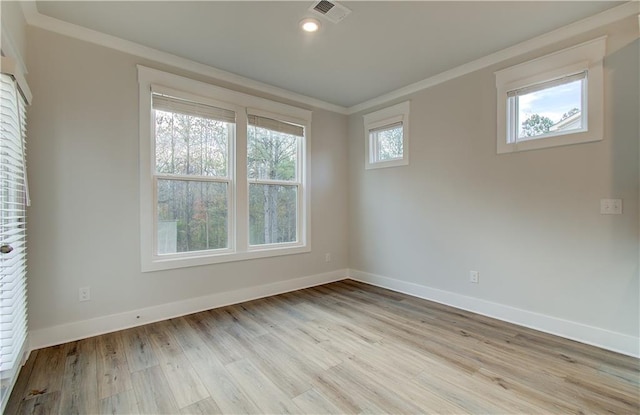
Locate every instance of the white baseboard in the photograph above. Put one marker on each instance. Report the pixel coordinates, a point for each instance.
(77, 330)
(595, 336)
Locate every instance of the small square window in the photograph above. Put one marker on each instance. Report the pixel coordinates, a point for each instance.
(553, 100)
(387, 134)
(387, 143)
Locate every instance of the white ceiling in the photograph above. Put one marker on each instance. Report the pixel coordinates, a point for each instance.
(378, 48)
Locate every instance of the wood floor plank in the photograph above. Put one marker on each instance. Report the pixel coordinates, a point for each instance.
(112, 369)
(44, 404)
(204, 407)
(345, 395)
(313, 402)
(182, 378)
(306, 347)
(226, 347)
(264, 394)
(123, 403)
(20, 387)
(47, 373)
(138, 350)
(152, 392)
(344, 347)
(80, 383)
(224, 391)
(282, 365)
(242, 318)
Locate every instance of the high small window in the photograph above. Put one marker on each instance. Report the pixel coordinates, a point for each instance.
(551, 101)
(549, 108)
(387, 137)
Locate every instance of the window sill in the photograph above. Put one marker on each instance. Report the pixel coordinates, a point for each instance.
(163, 263)
(548, 142)
(389, 163)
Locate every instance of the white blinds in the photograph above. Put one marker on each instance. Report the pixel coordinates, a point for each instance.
(387, 127)
(13, 201)
(181, 106)
(548, 84)
(275, 125)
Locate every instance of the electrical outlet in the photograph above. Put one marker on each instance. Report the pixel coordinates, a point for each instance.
(327, 257)
(84, 294)
(474, 277)
(611, 206)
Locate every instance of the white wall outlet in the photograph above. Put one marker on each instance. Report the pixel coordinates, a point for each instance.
(327, 257)
(611, 206)
(84, 294)
(474, 277)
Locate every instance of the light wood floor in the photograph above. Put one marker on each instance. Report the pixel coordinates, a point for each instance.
(345, 347)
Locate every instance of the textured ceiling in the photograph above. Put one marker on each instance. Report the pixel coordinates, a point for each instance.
(379, 47)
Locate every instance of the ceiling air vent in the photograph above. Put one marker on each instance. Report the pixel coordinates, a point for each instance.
(330, 10)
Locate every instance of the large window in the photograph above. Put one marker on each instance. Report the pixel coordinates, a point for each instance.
(273, 154)
(223, 174)
(192, 175)
(553, 100)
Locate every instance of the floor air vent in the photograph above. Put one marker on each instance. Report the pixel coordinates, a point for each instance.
(330, 10)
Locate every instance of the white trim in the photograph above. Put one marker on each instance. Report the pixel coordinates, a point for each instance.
(595, 336)
(398, 113)
(239, 249)
(77, 330)
(587, 57)
(601, 19)
(92, 36)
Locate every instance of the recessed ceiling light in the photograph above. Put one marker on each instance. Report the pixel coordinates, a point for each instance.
(310, 25)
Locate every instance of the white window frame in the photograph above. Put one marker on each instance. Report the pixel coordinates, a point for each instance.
(586, 57)
(151, 79)
(299, 182)
(380, 119)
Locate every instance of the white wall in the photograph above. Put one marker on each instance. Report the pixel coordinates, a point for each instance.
(529, 221)
(83, 170)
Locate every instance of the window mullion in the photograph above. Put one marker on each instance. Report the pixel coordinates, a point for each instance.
(192, 178)
(275, 182)
(241, 185)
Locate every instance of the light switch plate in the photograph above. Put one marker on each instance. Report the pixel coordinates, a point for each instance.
(611, 206)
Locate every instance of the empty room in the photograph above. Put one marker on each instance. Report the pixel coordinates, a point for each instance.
(320, 207)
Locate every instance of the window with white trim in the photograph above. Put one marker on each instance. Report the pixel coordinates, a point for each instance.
(222, 174)
(553, 100)
(274, 151)
(387, 137)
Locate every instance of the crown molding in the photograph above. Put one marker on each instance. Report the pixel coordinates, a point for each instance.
(601, 19)
(9, 49)
(34, 18)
